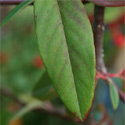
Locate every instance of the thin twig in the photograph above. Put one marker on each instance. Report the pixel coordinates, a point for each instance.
(8, 93)
(109, 80)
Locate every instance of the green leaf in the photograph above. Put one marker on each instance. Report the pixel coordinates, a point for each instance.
(44, 89)
(114, 96)
(66, 46)
(15, 11)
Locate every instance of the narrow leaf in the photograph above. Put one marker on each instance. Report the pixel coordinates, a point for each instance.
(66, 46)
(114, 96)
(109, 3)
(44, 89)
(15, 11)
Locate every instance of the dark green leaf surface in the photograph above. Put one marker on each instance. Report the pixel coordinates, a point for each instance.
(15, 11)
(114, 96)
(66, 46)
(44, 89)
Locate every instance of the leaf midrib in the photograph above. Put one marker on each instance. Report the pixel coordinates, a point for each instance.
(69, 58)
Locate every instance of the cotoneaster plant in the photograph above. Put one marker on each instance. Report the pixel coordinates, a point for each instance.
(71, 51)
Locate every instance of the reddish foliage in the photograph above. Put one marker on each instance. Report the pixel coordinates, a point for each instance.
(114, 26)
(122, 18)
(118, 38)
(91, 18)
(100, 76)
(86, 115)
(117, 35)
(116, 23)
(104, 77)
(120, 75)
(37, 62)
(3, 57)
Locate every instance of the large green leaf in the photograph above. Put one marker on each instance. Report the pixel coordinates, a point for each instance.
(66, 46)
(44, 89)
(114, 96)
(15, 11)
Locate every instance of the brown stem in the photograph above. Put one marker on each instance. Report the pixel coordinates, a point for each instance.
(16, 2)
(98, 29)
(11, 2)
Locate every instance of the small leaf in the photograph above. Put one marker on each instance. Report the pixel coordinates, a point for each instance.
(114, 96)
(66, 46)
(15, 11)
(109, 3)
(44, 88)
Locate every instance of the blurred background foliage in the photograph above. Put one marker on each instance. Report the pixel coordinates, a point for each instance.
(21, 68)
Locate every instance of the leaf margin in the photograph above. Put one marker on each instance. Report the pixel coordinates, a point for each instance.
(82, 119)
